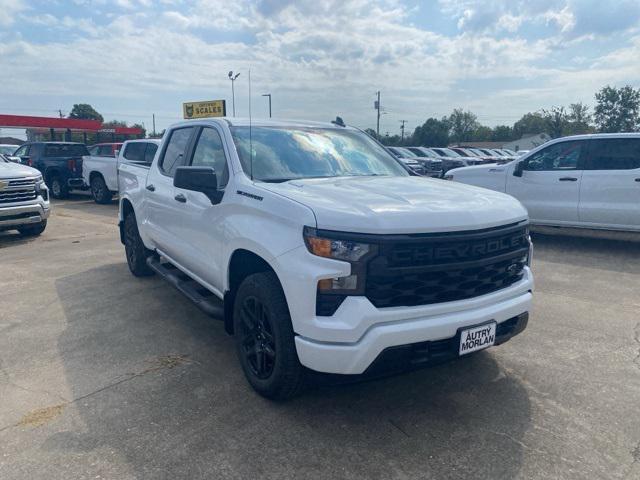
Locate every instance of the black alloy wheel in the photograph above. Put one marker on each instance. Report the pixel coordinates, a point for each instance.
(258, 343)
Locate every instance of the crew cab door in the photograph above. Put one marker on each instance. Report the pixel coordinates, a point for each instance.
(610, 190)
(201, 228)
(550, 183)
(164, 213)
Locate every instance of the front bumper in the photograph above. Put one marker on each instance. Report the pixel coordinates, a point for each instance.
(13, 216)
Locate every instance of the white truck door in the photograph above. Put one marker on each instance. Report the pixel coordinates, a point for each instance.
(610, 190)
(201, 229)
(550, 183)
(164, 212)
(108, 168)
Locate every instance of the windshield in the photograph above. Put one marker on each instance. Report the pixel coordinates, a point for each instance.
(281, 153)
(407, 153)
(65, 150)
(7, 149)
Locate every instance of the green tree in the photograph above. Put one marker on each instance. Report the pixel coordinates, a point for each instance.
(371, 132)
(529, 123)
(462, 124)
(482, 134)
(85, 111)
(141, 127)
(432, 133)
(617, 109)
(556, 121)
(579, 119)
(502, 133)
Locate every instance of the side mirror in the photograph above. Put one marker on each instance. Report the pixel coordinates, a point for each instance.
(517, 172)
(199, 179)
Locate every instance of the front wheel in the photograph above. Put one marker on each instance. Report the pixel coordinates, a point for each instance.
(264, 338)
(99, 190)
(33, 230)
(134, 248)
(58, 188)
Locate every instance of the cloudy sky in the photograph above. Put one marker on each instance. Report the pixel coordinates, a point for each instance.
(319, 59)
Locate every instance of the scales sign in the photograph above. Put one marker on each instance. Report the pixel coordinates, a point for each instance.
(212, 108)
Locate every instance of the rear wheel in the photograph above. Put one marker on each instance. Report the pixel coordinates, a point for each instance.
(33, 230)
(58, 188)
(135, 250)
(99, 190)
(265, 341)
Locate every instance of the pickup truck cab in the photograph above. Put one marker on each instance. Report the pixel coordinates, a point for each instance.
(59, 162)
(100, 169)
(24, 199)
(320, 252)
(584, 181)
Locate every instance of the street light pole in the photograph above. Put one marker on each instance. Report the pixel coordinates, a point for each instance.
(402, 128)
(268, 95)
(233, 77)
(377, 107)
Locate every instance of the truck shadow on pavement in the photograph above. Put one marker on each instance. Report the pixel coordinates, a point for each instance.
(158, 393)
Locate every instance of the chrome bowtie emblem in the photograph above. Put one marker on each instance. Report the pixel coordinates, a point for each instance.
(3, 184)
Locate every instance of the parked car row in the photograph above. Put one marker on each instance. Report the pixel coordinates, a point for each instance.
(436, 161)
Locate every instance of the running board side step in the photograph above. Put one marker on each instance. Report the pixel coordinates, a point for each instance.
(204, 299)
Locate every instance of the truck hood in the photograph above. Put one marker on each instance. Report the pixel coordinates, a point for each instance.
(14, 170)
(400, 204)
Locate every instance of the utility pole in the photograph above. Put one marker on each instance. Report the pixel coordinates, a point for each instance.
(376, 105)
(268, 95)
(233, 78)
(402, 129)
(154, 124)
(60, 112)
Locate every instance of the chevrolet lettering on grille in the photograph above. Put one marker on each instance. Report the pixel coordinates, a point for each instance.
(458, 251)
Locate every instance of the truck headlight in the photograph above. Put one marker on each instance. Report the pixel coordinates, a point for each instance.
(332, 291)
(334, 248)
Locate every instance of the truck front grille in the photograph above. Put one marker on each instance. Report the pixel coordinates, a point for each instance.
(19, 190)
(435, 268)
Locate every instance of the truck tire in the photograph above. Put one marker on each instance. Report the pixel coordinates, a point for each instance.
(135, 250)
(99, 190)
(58, 188)
(264, 338)
(33, 230)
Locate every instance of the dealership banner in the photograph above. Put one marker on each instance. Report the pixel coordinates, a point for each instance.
(212, 108)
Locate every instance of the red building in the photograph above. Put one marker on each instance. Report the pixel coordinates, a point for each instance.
(68, 129)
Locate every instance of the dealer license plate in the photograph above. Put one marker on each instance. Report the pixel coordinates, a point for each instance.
(476, 338)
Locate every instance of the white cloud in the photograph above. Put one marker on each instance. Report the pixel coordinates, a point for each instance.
(9, 9)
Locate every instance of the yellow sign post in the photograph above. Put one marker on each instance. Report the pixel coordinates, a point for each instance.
(212, 108)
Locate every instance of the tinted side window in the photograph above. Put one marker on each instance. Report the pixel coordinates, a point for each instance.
(150, 152)
(134, 151)
(94, 150)
(209, 152)
(22, 151)
(614, 154)
(176, 150)
(561, 156)
(105, 151)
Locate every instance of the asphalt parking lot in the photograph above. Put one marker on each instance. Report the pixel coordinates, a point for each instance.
(103, 375)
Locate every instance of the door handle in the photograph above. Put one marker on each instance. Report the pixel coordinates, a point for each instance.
(180, 198)
(151, 188)
(568, 179)
(637, 179)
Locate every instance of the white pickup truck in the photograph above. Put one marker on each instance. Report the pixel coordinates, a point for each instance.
(583, 181)
(24, 199)
(320, 252)
(100, 169)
